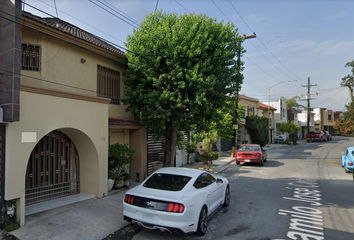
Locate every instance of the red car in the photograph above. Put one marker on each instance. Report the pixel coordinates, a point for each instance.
(252, 153)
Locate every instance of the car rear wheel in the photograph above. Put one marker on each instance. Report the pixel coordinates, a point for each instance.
(203, 222)
(346, 170)
(227, 197)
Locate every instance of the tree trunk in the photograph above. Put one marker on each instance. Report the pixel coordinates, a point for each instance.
(170, 150)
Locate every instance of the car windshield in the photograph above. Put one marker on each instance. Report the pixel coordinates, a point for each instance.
(169, 182)
(249, 148)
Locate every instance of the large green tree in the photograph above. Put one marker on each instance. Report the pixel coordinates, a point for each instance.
(346, 123)
(348, 81)
(182, 70)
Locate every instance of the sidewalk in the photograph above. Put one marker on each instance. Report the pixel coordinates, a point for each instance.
(94, 218)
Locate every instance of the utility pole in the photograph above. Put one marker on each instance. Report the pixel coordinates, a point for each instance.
(235, 117)
(308, 101)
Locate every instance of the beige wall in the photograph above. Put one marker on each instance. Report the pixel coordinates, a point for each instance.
(42, 114)
(61, 64)
(72, 107)
(136, 138)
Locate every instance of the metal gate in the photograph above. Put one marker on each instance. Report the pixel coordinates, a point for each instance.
(155, 152)
(53, 169)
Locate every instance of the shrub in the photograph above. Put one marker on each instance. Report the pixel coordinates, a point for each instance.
(208, 157)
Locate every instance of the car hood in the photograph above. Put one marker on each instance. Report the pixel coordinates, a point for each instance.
(164, 195)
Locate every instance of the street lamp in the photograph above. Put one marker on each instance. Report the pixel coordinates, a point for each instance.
(235, 123)
(269, 125)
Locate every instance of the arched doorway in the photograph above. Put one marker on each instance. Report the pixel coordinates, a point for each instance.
(53, 169)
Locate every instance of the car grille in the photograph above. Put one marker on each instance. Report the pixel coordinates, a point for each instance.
(154, 204)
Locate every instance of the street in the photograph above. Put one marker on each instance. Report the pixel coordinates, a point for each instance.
(302, 192)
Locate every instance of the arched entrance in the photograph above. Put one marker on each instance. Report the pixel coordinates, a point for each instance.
(53, 169)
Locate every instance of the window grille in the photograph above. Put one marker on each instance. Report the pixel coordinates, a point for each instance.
(108, 84)
(30, 57)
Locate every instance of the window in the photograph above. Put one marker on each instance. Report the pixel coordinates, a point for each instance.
(108, 84)
(167, 182)
(250, 111)
(204, 180)
(30, 57)
(329, 117)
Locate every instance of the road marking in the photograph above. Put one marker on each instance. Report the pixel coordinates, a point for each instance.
(305, 222)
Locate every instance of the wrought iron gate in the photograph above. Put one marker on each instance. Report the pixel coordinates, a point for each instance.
(53, 169)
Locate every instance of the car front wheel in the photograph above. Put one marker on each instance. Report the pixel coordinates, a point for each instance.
(227, 197)
(203, 221)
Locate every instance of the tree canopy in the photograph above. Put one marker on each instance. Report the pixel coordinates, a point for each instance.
(348, 81)
(291, 102)
(345, 124)
(182, 70)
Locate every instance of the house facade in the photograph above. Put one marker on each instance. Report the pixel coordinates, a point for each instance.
(302, 119)
(254, 108)
(68, 85)
(265, 111)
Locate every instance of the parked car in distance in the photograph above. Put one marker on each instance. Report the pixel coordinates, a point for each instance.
(328, 135)
(176, 200)
(316, 135)
(280, 137)
(348, 159)
(251, 153)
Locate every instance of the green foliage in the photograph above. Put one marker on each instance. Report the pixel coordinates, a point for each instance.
(9, 226)
(348, 81)
(206, 145)
(258, 128)
(289, 127)
(119, 155)
(190, 147)
(125, 176)
(209, 156)
(292, 103)
(345, 124)
(182, 70)
(224, 128)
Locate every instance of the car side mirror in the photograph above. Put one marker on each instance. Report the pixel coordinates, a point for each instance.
(219, 180)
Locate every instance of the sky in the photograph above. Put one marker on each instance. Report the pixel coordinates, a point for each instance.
(296, 39)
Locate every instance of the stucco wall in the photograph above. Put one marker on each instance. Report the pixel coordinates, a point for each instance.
(42, 114)
(62, 69)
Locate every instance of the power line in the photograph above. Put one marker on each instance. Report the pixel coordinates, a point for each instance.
(124, 14)
(136, 26)
(24, 25)
(182, 6)
(263, 43)
(81, 21)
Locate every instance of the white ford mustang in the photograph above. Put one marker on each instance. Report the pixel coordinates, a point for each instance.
(176, 200)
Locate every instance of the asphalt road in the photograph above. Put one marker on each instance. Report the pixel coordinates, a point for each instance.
(302, 192)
